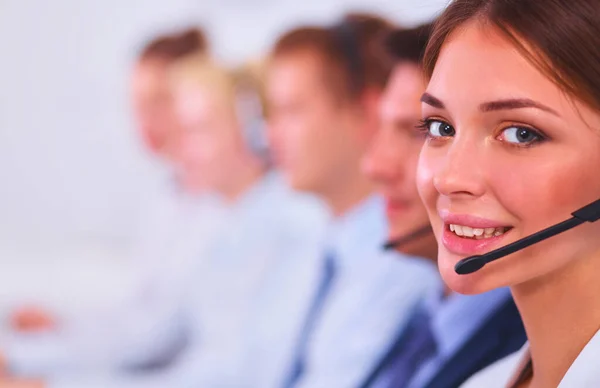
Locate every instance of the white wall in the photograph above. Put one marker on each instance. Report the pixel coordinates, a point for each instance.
(71, 169)
(70, 165)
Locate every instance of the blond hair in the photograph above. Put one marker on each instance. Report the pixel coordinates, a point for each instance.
(227, 85)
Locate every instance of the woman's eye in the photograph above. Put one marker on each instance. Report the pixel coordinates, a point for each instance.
(520, 135)
(440, 129)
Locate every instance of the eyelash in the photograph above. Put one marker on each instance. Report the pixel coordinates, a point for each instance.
(423, 128)
(541, 137)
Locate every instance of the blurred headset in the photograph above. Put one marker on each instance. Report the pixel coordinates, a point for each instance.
(251, 112)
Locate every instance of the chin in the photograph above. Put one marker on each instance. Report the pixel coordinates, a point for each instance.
(299, 184)
(471, 284)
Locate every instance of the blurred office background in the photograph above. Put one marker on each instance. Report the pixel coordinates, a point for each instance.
(72, 169)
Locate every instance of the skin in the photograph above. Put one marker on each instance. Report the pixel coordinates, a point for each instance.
(318, 138)
(153, 108)
(212, 136)
(527, 183)
(391, 161)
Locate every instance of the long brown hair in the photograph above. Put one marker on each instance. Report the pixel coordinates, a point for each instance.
(560, 37)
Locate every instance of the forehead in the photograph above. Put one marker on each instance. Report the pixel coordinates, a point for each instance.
(477, 62)
(404, 89)
(149, 76)
(405, 81)
(302, 69)
(202, 101)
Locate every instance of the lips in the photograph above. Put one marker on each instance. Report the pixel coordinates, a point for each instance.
(470, 235)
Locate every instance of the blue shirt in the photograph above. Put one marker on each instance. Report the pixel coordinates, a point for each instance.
(263, 226)
(176, 231)
(372, 295)
(454, 320)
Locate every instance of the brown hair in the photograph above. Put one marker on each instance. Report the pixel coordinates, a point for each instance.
(407, 45)
(349, 51)
(175, 46)
(560, 37)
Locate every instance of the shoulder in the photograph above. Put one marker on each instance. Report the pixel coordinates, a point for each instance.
(584, 371)
(498, 374)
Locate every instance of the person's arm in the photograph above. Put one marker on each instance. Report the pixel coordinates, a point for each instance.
(11, 383)
(33, 319)
(3, 368)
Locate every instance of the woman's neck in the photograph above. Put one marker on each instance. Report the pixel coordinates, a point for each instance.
(561, 313)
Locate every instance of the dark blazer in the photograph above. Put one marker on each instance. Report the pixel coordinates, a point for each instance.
(501, 334)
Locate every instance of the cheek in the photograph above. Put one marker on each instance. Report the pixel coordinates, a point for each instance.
(548, 191)
(425, 171)
(411, 173)
(311, 139)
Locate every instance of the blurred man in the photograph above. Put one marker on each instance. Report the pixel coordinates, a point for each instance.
(152, 99)
(266, 223)
(167, 246)
(323, 87)
(450, 336)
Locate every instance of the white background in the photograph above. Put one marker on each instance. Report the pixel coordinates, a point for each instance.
(71, 169)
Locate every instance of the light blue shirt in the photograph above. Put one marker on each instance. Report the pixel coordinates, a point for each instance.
(371, 297)
(175, 232)
(263, 226)
(454, 320)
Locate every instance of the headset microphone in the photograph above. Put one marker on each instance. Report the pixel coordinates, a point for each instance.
(589, 213)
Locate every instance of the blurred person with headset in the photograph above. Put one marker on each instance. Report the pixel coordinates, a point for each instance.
(450, 336)
(325, 324)
(221, 115)
(178, 222)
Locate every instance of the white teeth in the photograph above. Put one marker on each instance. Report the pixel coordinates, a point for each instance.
(467, 231)
(477, 233)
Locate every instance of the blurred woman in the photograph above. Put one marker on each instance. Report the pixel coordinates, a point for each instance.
(221, 112)
(164, 249)
(512, 114)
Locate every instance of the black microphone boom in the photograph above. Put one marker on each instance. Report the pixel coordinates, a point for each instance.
(589, 213)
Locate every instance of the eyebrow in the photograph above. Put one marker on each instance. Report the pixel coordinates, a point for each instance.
(515, 103)
(434, 102)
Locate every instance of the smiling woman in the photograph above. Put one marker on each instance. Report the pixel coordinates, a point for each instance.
(512, 113)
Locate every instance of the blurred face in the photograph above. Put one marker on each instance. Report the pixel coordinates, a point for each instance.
(312, 134)
(153, 107)
(211, 139)
(392, 158)
(508, 154)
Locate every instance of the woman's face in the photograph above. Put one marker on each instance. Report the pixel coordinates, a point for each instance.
(508, 154)
(210, 144)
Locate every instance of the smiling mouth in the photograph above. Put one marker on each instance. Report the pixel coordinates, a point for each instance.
(471, 233)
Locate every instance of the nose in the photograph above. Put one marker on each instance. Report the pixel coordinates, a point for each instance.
(383, 160)
(459, 171)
